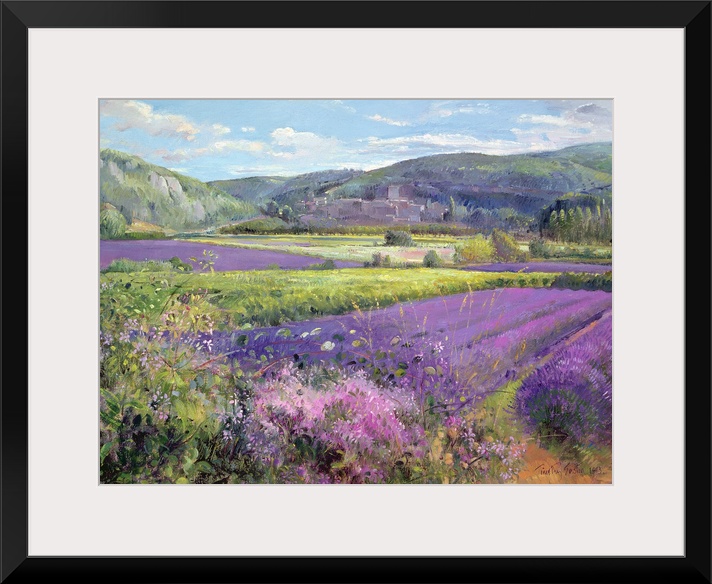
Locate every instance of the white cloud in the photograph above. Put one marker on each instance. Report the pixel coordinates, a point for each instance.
(220, 130)
(181, 154)
(543, 119)
(259, 170)
(242, 145)
(594, 113)
(288, 143)
(446, 109)
(576, 124)
(219, 147)
(389, 121)
(340, 103)
(247, 129)
(136, 114)
(416, 145)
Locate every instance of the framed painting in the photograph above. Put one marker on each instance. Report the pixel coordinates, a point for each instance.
(318, 303)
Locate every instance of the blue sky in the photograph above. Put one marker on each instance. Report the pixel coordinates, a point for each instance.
(219, 139)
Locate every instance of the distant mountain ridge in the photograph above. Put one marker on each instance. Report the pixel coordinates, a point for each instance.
(487, 189)
(149, 193)
(524, 183)
(544, 175)
(285, 190)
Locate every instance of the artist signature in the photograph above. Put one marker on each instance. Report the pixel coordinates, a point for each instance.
(566, 469)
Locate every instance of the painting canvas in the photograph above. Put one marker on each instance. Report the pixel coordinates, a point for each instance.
(365, 291)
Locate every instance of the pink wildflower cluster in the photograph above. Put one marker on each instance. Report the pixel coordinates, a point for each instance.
(351, 431)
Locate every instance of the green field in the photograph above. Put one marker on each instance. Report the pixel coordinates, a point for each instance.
(352, 248)
(273, 297)
(360, 248)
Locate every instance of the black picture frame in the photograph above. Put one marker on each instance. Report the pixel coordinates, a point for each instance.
(694, 566)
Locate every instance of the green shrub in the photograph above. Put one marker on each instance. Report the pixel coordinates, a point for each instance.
(505, 248)
(326, 265)
(432, 260)
(112, 224)
(180, 265)
(477, 249)
(398, 238)
(538, 248)
(376, 260)
(257, 226)
(379, 260)
(126, 266)
(145, 235)
(584, 281)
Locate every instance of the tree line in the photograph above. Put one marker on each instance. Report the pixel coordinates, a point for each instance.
(579, 225)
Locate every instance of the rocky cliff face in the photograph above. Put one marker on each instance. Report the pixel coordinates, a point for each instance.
(146, 192)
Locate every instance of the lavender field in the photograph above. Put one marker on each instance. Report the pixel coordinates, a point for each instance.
(481, 339)
(227, 259)
(409, 393)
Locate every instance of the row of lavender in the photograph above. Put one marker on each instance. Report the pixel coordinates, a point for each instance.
(569, 398)
(453, 350)
(387, 395)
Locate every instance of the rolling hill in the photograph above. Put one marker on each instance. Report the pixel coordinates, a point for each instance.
(525, 182)
(144, 192)
(285, 190)
(520, 184)
(487, 190)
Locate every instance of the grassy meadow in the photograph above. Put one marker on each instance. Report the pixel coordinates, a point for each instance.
(354, 248)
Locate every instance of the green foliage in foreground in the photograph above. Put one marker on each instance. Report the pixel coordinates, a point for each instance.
(126, 266)
(272, 297)
(172, 411)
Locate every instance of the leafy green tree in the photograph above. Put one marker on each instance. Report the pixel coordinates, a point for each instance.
(112, 224)
(588, 225)
(538, 248)
(398, 238)
(578, 225)
(563, 226)
(450, 215)
(554, 228)
(607, 227)
(287, 214)
(505, 247)
(477, 249)
(272, 209)
(432, 260)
